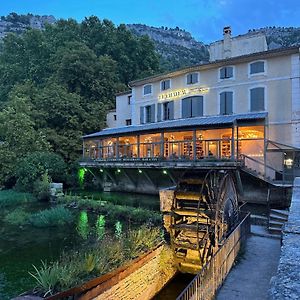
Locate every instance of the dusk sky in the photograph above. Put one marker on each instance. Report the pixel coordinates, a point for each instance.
(204, 19)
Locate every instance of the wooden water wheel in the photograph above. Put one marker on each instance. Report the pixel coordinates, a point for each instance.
(204, 211)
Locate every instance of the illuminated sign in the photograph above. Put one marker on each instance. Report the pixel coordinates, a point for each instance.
(182, 92)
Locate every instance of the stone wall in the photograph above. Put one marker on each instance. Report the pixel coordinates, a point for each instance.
(140, 281)
(286, 283)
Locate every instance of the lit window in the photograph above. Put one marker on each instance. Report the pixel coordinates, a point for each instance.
(192, 78)
(257, 67)
(148, 89)
(226, 72)
(165, 85)
(257, 99)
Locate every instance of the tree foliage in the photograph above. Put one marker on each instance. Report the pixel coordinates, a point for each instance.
(58, 84)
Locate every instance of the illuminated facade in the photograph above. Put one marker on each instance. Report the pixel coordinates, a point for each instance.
(239, 108)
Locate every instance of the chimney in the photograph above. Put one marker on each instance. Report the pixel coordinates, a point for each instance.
(227, 41)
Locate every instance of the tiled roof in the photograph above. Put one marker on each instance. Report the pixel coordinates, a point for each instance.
(189, 122)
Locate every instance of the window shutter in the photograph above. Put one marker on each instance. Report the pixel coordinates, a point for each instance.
(222, 103)
(194, 77)
(257, 67)
(153, 113)
(197, 106)
(186, 108)
(142, 115)
(171, 110)
(222, 73)
(229, 72)
(158, 112)
(257, 99)
(229, 103)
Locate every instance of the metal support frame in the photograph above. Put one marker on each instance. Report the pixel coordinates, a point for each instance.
(129, 178)
(111, 177)
(148, 178)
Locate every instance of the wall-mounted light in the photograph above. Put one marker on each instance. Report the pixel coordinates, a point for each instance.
(101, 170)
(119, 171)
(165, 172)
(140, 171)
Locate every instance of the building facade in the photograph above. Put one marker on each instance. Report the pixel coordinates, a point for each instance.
(244, 105)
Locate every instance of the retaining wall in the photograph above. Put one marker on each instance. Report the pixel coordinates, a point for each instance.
(286, 283)
(140, 281)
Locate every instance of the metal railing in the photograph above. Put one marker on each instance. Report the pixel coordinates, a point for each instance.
(206, 283)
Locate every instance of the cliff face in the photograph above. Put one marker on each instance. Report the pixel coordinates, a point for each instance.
(19, 23)
(176, 47)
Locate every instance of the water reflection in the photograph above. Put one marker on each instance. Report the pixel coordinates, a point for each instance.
(83, 225)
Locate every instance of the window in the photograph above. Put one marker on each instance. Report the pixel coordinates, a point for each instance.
(150, 113)
(115, 117)
(226, 72)
(168, 110)
(165, 85)
(128, 122)
(257, 99)
(192, 107)
(257, 67)
(192, 78)
(148, 89)
(129, 99)
(226, 103)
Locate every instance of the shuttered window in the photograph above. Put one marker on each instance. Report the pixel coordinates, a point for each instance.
(257, 99)
(226, 103)
(192, 107)
(168, 110)
(159, 112)
(165, 85)
(150, 113)
(147, 89)
(192, 78)
(142, 115)
(257, 67)
(226, 72)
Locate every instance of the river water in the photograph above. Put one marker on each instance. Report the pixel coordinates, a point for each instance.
(24, 246)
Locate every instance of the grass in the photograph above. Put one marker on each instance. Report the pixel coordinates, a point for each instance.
(9, 198)
(17, 217)
(55, 216)
(113, 213)
(94, 260)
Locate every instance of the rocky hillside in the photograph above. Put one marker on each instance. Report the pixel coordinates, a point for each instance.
(280, 36)
(176, 46)
(19, 23)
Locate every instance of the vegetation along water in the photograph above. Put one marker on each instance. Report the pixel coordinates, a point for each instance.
(48, 239)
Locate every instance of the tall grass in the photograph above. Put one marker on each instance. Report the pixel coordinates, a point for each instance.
(94, 260)
(9, 198)
(17, 217)
(55, 216)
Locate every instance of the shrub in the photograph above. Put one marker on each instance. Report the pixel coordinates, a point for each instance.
(55, 216)
(17, 217)
(41, 188)
(83, 225)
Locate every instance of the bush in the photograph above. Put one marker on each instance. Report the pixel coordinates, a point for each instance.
(17, 217)
(10, 198)
(35, 165)
(41, 188)
(55, 216)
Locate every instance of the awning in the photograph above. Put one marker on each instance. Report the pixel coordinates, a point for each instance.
(178, 123)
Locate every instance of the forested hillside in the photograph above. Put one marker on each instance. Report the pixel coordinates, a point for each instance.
(58, 83)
